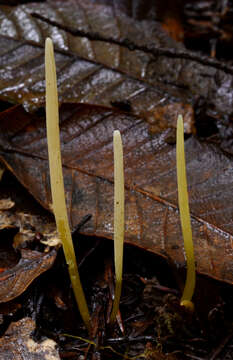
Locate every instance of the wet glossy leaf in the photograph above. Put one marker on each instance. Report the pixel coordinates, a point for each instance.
(88, 71)
(137, 63)
(152, 219)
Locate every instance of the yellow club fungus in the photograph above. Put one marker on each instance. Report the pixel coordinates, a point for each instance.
(56, 180)
(119, 199)
(185, 217)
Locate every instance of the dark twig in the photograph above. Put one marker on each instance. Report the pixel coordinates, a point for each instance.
(130, 339)
(78, 227)
(124, 42)
(220, 347)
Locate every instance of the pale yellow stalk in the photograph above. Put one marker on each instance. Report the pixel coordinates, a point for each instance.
(185, 216)
(119, 199)
(56, 180)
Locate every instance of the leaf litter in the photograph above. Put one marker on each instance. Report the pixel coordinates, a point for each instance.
(152, 219)
(87, 154)
(212, 222)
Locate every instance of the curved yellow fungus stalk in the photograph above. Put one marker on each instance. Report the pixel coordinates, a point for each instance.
(185, 217)
(119, 199)
(56, 180)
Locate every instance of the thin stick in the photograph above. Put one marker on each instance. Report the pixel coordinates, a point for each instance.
(56, 179)
(119, 199)
(185, 215)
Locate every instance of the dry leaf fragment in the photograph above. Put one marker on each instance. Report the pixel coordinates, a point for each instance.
(18, 344)
(6, 204)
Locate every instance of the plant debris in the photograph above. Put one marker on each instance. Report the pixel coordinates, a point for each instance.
(131, 65)
(18, 344)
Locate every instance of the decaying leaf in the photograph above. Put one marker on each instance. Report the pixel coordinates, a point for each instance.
(21, 212)
(15, 280)
(18, 344)
(24, 221)
(106, 57)
(89, 71)
(152, 219)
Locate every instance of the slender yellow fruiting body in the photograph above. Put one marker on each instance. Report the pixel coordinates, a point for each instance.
(185, 217)
(119, 200)
(56, 180)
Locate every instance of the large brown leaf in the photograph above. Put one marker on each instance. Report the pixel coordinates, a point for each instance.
(151, 71)
(88, 71)
(152, 219)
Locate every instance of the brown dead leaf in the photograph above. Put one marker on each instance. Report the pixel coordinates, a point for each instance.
(152, 219)
(112, 53)
(89, 71)
(14, 281)
(152, 71)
